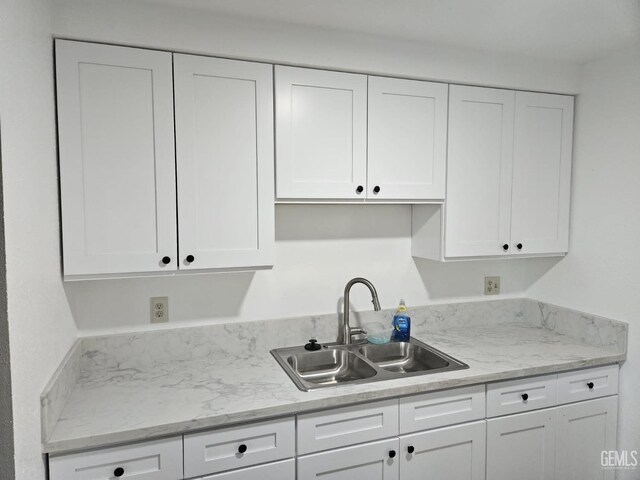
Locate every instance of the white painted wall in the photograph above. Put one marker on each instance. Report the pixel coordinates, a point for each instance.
(601, 274)
(41, 328)
(146, 23)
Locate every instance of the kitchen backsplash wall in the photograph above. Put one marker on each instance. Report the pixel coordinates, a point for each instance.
(318, 249)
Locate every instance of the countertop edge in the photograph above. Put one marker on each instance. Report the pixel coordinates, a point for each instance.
(57, 447)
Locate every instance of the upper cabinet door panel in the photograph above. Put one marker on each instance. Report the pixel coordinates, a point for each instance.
(224, 145)
(541, 173)
(117, 160)
(407, 139)
(321, 133)
(478, 206)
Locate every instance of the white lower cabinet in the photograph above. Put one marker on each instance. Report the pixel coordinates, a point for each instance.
(521, 430)
(369, 461)
(586, 429)
(451, 453)
(522, 446)
(284, 470)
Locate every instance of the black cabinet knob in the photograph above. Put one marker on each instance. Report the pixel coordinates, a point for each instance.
(376, 189)
(505, 247)
(519, 246)
(190, 258)
(410, 449)
(525, 397)
(360, 189)
(166, 260)
(242, 448)
(392, 453)
(118, 472)
(590, 385)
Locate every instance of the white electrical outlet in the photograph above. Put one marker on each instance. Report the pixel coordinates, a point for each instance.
(491, 285)
(159, 309)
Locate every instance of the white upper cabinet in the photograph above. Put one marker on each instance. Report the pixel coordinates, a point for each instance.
(478, 207)
(321, 134)
(225, 168)
(541, 173)
(117, 159)
(407, 139)
(508, 177)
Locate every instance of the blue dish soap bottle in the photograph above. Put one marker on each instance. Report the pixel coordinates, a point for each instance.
(401, 324)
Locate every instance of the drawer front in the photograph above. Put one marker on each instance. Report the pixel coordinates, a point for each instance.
(283, 470)
(521, 395)
(157, 460)
(238, 447)
(437, 409)
(587, 384)
(340, 427)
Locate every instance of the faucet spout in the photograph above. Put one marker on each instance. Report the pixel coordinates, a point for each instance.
(347, 332)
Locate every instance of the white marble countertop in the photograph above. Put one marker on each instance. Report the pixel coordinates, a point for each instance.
(134, 402)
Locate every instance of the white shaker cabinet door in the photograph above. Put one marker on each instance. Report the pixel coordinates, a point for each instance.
(117, 159)
(522, 446)
(370, 461)
(541, 173)
(585, 430)
(321, 134)
(478, 208)
(450, 453)
(407, 139)
(224, 148)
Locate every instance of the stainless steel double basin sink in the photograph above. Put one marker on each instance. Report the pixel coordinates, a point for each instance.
(337, 364)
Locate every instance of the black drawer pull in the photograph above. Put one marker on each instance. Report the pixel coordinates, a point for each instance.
(525, 397)
(590, 385)
(411, 449)
(118, 472)
(242, 448)
(392, 453)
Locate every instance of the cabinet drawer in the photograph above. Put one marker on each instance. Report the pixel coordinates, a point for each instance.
(346, 426)
(437, 409)
(283, 470)
(521, 395)
(587, 384)
(157, 460)
(238, 447)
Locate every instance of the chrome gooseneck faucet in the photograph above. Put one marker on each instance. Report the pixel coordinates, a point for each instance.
(346, 332)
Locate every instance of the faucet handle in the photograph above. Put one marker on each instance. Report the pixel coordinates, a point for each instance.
(358, 331)
(313, 345)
